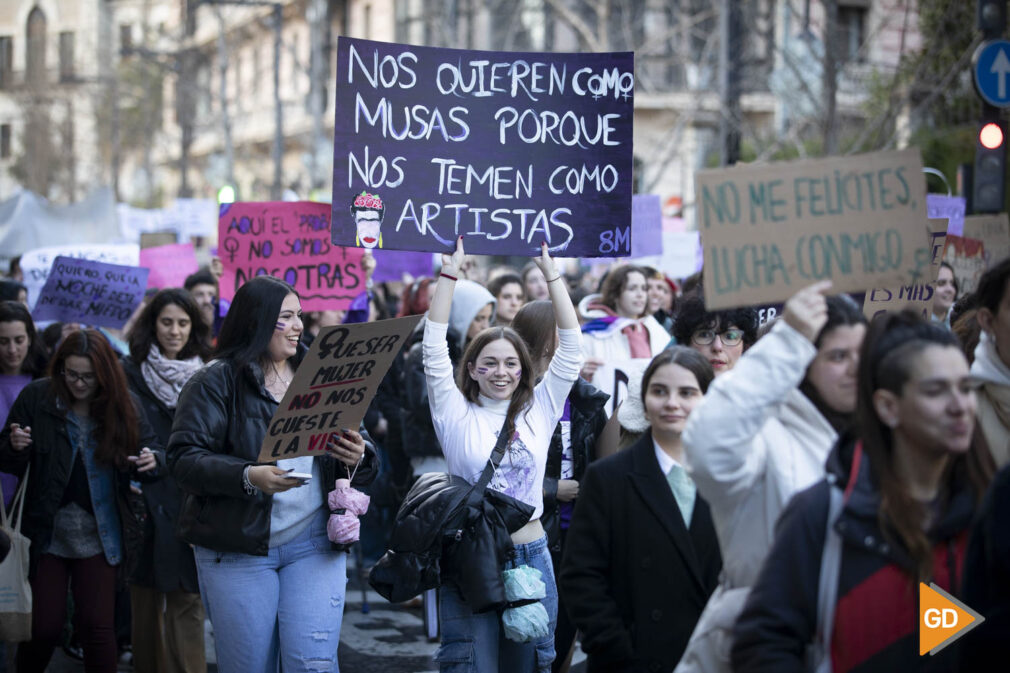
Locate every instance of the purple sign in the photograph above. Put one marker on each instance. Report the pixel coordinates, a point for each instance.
(91, 293)
(950, 207)
(392, 264)
(506, 149)
(646, 225)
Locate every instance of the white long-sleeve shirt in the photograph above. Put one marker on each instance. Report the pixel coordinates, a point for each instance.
(468, 431)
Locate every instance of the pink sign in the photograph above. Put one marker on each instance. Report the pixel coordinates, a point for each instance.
(290, 241)
(169, 264)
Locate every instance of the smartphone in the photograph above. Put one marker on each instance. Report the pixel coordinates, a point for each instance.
(301, 476)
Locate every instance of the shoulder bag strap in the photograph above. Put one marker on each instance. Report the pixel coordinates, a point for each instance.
(827, 582)
(3, 509)
(477, 492)
(19, 499)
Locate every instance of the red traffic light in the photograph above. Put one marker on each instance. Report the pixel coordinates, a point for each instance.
(991, 136)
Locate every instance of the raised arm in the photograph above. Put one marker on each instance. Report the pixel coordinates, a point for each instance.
(720, 433)
(564, 311)
(441, 301)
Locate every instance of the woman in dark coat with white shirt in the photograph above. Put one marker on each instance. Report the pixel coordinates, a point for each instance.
(642, 557)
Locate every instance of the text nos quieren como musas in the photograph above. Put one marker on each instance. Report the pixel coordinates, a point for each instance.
(480, 78)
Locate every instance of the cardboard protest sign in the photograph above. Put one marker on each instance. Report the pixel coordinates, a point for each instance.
(951, 208)
(612, 378)
(769, 230)
(168, 264)
(333, 386)
(91, 293)
(915, 296)
(506, 149)
(646, 225)
(36, 264)
(392, 265)
(994, 232)
(290, 241)
(967, 257)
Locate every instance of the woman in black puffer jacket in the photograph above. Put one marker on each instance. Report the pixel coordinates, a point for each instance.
(272, 582)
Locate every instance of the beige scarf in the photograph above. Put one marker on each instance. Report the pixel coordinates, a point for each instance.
(993, 412)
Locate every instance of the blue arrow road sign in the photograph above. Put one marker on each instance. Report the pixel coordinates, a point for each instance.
(992, 72)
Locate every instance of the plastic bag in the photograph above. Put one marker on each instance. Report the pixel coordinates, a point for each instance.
(530, 622)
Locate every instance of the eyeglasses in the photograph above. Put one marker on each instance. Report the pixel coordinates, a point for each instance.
(730, 337)
(73, 377)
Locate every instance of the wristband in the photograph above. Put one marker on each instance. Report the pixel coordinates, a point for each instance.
(445, 275)
(557, 277)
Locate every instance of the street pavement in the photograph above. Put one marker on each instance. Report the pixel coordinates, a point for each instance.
(384, 639)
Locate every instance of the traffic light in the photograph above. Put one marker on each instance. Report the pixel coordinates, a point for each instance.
(989, 176)
(991, 18)
(226, 194)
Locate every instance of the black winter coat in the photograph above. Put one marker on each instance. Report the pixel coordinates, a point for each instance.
(876, 619)
(634, 577)
(165, 562)
(219, 426)
(987, 578)
(50, 453)
(419, 437)
(587, 419)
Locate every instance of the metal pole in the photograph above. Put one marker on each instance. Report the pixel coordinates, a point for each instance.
(276, 190)
(731, 116)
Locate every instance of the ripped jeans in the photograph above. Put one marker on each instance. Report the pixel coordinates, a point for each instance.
(476, 643)
(276, 612)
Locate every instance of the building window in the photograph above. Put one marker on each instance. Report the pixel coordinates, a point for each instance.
(6, 62)
(5, 141)
(35, 46)
(66, 56)
(851, 34)
(125, 37)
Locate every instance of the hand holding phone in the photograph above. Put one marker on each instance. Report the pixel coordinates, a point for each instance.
(304, 477)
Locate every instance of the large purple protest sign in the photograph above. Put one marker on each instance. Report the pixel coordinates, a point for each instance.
(505, 149)
(393, 264)
(91, 293)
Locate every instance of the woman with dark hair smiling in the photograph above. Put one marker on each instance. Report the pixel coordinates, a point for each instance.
(271, 580)
(169, 343)
(495, 393)
(642, 556)
(944, 294)
(720, 336)
(621, 327)
(906, 484)
(81, 437)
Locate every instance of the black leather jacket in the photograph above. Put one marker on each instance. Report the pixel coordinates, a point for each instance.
(219, 426)
(588, 416)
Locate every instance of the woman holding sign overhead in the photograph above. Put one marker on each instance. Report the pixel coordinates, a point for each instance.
(271, 581)
(495, 393)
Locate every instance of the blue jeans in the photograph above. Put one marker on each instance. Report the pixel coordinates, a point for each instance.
(476, 643)
(280, 610)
